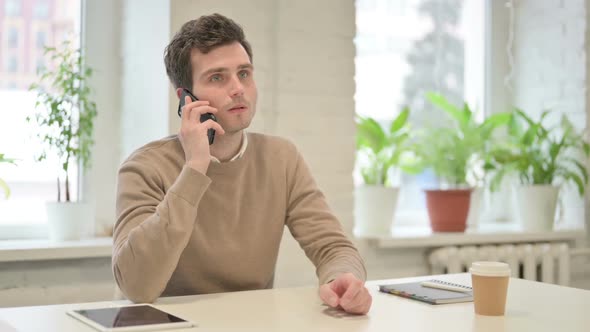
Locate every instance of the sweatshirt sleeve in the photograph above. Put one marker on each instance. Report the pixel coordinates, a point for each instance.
(314, 226)
(153, 227)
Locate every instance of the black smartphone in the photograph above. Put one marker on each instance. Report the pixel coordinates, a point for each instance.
(204, 117)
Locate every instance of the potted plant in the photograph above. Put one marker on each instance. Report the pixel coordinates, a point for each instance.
(455, 154)
(379, 152)
(3, 184)
(64, 123)
(543, 158)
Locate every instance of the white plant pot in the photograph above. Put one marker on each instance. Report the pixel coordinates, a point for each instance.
(498, 205)
(69, 221)
(535, 206)
(374, 208)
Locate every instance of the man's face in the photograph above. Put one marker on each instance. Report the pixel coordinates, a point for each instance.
(224, 77)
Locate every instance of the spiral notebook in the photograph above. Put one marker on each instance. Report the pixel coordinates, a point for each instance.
(415, 291)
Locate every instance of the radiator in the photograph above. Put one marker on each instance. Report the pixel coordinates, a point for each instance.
(546, 262)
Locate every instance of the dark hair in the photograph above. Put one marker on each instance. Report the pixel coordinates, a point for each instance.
(205, 33)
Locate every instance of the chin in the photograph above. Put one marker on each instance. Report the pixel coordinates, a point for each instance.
(237, 125)
(236, 128)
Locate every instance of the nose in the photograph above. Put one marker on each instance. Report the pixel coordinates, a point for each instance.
(236, 87)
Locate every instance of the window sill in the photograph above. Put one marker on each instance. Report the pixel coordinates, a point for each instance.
(44, 250)
(486, 233)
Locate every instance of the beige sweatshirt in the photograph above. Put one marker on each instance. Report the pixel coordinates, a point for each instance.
(179, 232)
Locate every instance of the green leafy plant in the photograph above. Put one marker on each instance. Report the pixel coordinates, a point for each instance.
(382, 148)
(454, 152)
(65, 112)
(3, 184)
(539, 154)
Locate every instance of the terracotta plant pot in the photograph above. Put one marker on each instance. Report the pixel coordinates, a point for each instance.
(448, 209)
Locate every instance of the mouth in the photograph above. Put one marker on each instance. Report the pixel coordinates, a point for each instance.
(238, 109)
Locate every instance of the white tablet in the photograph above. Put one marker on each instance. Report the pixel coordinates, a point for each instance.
(140, 317)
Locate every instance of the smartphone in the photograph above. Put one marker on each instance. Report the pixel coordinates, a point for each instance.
(204, 117)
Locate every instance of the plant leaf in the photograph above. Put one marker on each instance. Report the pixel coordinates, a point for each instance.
(525, 117)
(577, 181)
(581, 168)
(492, 122)
(370, 134)
(441, 102)
(5, 188)
(400, 120)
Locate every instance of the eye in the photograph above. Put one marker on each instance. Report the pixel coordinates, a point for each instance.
(244, 74)
(215, 78)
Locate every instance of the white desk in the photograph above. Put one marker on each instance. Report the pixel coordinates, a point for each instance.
(531, 306)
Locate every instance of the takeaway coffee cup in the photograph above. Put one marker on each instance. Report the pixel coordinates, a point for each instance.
(490, 287)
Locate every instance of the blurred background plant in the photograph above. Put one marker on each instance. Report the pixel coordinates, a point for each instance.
(65, 111)
(456, 154)
(383, 150)
(3, 184)
(539, 154)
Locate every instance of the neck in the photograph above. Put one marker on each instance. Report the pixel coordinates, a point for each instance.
(226, 146)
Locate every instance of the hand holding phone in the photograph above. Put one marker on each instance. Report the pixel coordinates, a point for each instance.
(204, 117)
(195, 135)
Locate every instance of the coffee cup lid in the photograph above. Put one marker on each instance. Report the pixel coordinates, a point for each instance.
(490, 269)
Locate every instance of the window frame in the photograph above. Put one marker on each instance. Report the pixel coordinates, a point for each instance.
(419, 217)
(12, 229)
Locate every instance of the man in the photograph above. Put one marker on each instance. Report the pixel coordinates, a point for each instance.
(195, 218)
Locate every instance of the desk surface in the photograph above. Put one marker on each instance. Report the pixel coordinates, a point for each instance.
(531, 306)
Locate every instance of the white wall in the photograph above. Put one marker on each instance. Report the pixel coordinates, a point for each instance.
(550, 71)
(587, 99)
(51, 282)
(304, 73)
(304, 58)
(144, 85)
(102, 42)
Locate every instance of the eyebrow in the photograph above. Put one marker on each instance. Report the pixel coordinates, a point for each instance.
(225, 69)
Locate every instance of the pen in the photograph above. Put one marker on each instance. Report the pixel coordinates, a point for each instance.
(431, 284)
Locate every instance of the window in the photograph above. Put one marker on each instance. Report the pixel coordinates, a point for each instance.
(40, 64)
(41, 39)
(13, 37)
(12, 8)
(406, 48)
(41, 9)
(11, 64)
(31, 183)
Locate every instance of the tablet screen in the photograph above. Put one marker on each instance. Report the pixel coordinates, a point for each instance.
(129, 316)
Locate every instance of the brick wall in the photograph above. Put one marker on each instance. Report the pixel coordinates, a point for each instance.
(304, 57)
(550, 57)
(550, 69)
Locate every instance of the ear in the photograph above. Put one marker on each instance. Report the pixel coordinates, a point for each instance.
(178, 92)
